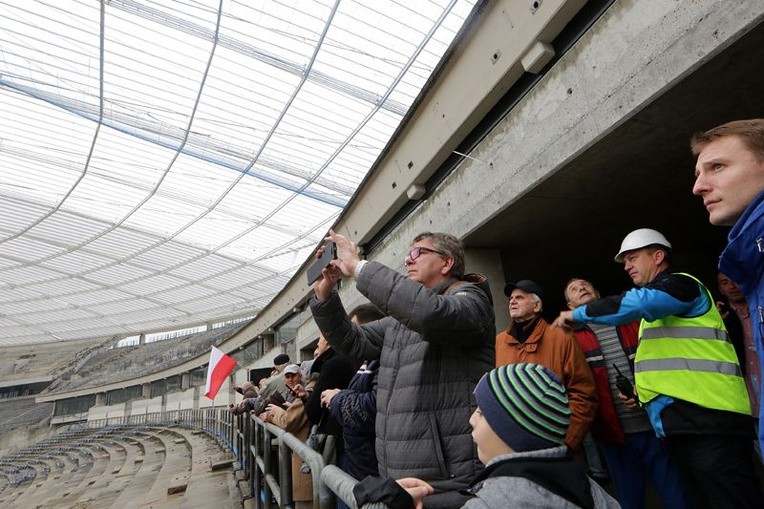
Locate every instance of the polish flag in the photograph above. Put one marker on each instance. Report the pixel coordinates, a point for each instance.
(220, 367)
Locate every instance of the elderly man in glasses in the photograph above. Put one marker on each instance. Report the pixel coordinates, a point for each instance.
(433, 347)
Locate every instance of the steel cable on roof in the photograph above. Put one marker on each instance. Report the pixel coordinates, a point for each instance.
(95, 134)
(126, 104)
(164, 239)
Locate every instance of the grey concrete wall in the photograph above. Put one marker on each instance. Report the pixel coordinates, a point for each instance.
(635, 52)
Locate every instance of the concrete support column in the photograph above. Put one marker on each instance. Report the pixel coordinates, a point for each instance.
(488, 263)
(100, 399)
(146, 390)
(269, 341)
(185, 381)
(142, 339)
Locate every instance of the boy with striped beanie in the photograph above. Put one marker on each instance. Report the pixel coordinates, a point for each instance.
(519, 428)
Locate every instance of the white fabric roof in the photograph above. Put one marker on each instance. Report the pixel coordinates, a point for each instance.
(167, 163)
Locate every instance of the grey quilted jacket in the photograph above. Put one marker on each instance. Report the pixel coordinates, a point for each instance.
(519, 491)
(433, 347)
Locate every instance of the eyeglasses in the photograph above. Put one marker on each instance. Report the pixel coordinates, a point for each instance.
(416, 252)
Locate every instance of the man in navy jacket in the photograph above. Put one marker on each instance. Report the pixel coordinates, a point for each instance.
(729, 176)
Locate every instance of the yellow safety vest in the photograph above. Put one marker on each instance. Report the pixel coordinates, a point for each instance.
(691, 359)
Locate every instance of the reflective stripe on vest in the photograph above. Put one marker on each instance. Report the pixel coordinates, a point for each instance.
(685, 332)
(725, 368)
(690, 359)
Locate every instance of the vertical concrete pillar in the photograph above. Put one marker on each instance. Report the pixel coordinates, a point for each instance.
(488, 263)
(100, 399)
(185, 381)
(269, 341)
(146, 390)
(142, 339)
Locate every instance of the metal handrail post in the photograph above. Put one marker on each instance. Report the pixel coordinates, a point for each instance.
(246, 439)
(322, 497)
(285, 472)
(256, 448)
(341, 483)
(266, 452)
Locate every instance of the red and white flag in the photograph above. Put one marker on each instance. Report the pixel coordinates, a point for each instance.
(220, 367)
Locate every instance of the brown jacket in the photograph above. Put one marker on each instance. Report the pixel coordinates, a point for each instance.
(556, 349)
(294, 420)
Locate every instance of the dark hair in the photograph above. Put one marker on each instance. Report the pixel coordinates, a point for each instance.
(658, 247)
(448, 244)
(366, 313)
(751, 132)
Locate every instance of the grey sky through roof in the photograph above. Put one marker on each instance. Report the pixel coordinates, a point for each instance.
(169, 163)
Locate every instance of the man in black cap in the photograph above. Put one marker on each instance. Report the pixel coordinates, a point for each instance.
(280, 359)
(530, 338)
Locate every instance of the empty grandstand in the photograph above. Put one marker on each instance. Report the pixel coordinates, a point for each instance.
(168, 167)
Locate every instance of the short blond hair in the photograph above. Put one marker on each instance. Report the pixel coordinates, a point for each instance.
(751, 132)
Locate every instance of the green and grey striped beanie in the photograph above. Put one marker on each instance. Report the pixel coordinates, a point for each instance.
(525, 405)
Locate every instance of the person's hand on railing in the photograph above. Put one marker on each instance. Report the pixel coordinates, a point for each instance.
(327, 395)
(417, 488)
(274, 411)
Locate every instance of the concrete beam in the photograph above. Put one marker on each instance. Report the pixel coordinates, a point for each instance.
(487, 62)
(633, 54)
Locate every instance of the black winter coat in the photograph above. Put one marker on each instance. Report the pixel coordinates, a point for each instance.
(334, 372)
(355, 408)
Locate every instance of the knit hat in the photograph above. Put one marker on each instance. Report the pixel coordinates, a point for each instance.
(525, 405)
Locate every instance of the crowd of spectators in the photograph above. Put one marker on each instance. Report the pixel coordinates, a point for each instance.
(444, 412)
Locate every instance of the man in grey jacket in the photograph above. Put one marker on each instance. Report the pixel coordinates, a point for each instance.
(433, 347)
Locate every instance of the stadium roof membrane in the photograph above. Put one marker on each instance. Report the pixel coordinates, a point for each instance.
(169, 163)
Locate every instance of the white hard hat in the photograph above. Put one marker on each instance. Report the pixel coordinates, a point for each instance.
(641, 238)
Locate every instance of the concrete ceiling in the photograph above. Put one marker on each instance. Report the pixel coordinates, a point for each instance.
(639, 175)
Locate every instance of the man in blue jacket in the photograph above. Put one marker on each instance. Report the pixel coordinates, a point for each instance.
(729, 176)
(686, 370)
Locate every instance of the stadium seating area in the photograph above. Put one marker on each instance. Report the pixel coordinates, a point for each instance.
(31, 361)
(106, 364)
(120, 466)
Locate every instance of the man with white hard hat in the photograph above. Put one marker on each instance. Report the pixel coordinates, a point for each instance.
(687, 373)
